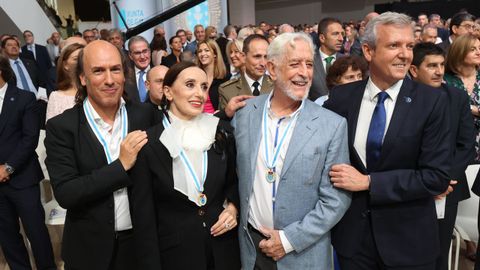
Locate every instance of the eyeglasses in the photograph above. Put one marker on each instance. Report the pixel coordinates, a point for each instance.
(144, 52)
(467, 26)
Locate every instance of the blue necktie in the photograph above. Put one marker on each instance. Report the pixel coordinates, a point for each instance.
(376, 131)
(142, 91)
(23, 79)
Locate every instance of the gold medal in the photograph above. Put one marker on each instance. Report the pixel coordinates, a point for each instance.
(270, 176)
(202, 199)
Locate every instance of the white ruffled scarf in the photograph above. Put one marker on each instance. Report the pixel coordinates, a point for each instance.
(192, 136)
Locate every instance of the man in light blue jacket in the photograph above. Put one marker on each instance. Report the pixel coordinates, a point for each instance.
(286, 145)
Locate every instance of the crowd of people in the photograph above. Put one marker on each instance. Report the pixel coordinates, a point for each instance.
(269, 147)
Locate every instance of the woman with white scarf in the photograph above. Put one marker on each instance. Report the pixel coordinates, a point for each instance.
(185, 196)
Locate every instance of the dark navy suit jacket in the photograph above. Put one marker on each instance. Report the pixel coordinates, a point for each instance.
(414, 167)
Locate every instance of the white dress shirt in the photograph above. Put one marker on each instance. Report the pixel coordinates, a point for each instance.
(31, 47)
(261, 199)
(137, 75)
(113, 138)
(324, 62)
(250, 82)
(369, 101)
(3, 91)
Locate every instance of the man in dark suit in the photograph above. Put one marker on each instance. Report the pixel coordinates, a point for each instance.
(20, 174)
(330, 35)
(230, 34)
(253, 81)
(428, 68)
(28, 77)
(139, 53)
(89, 154)
(461, 23)
(400, 154)
(41, 56)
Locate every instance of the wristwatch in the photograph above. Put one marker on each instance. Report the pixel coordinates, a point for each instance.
(10, 170)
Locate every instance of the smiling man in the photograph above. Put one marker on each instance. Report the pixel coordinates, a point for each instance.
(330, 35)
(285, 147)
(400, 150)
(90, 149)
(139, 53)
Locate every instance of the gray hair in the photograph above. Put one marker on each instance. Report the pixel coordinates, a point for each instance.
(428, 26)
(386, 18)
(285, 28)
(136, 39)
(277, 50)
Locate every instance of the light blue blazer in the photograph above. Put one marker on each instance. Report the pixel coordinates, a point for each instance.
(307, 204)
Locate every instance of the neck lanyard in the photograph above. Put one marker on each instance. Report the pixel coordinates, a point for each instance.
(123, 111)
(271, 174)
(202, 198)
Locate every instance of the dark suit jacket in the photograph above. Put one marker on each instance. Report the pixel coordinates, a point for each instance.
(19, 131)
(463, 138)
(222, 44)
(445, 45)
(83, 183)
(167, 224)
(413, 167)
(319, 84)
(44, 64)
(169, 60)
(213, 91)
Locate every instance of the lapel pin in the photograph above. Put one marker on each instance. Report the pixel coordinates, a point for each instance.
(12, 99)
(408, 99)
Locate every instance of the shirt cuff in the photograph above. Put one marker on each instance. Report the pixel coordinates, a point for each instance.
(285, 243)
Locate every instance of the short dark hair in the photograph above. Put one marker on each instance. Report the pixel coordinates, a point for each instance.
(82, 90)
(5, 69)
(27, 31)
(325, 22)
(249, 39)
(228, 29)
(460, 17)
(421, 50)
(171, 76)
(341, 65)
(179, 31)
(170, 41)
(4, 42)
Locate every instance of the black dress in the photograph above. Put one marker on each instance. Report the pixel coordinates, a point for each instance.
(171, 232)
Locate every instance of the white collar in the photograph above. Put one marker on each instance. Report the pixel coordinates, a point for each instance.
(250, 81)
(272, 114)
(323, 55)
(97, 118)
(392, 91)
(137, 70)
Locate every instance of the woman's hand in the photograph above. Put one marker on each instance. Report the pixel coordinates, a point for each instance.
(226, 221)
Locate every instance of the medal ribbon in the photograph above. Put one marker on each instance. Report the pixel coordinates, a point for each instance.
(96, 131)
(188, 164)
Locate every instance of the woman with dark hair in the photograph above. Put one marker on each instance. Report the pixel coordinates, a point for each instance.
(185, 197)
(159, 49)
(64, 97)
(461, 71)
(176, 48)
(344, 70)
(209, 58)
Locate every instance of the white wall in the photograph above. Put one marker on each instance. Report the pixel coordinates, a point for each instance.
(299, 12)
(27, 14)
(241, 12)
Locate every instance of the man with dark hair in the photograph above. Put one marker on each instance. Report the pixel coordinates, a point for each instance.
(139, 54)
(253, 82)
(90, 149)
(428, 68)
(422, 19)
(461, 23)
(116, 38)
(20, 174)
(330, 35)
(182, 34)
(230, 34)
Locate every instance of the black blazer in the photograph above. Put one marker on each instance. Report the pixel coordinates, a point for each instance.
(170, 60)
(171, 232)
(83, 183)
(319, 84)
(19, 132)
(413, 167)
(44, 64)
(213, 91)
(463, 139)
